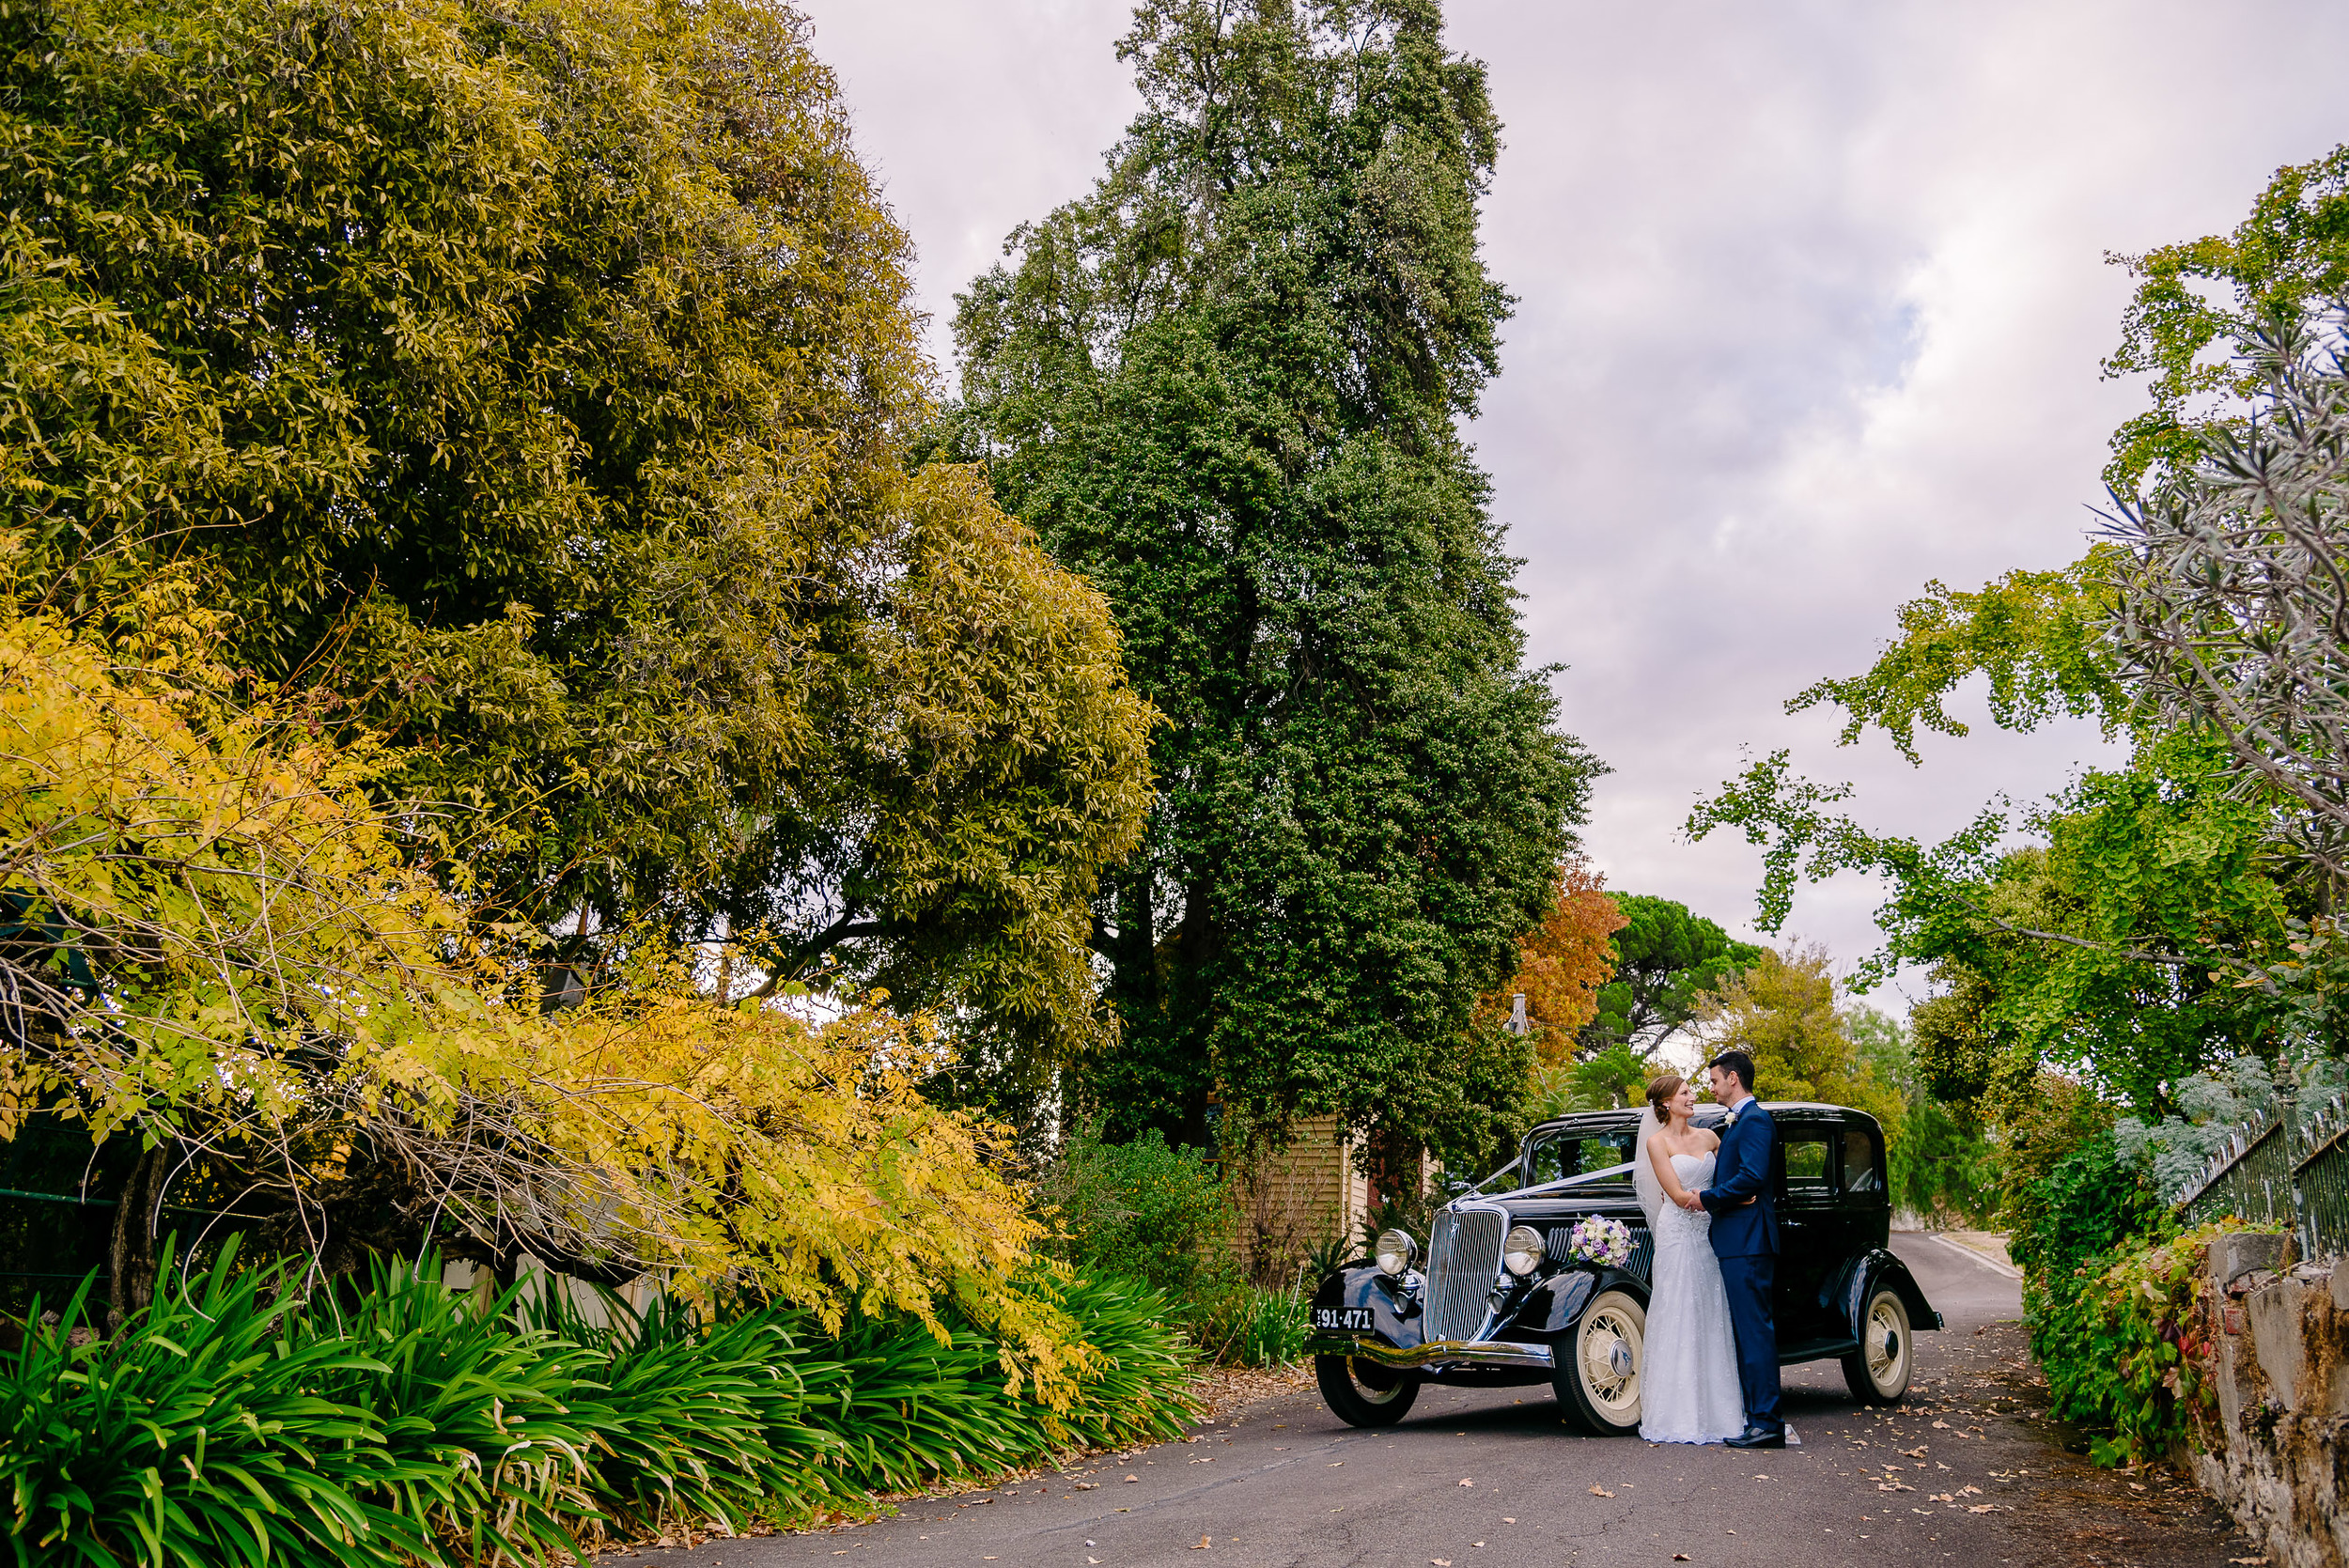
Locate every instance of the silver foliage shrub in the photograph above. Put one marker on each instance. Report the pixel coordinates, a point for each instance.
(2233, 614)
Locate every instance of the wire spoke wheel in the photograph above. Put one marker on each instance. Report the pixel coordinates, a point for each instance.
(1879, 1370)
(1361, 1393)
(1598, 1380)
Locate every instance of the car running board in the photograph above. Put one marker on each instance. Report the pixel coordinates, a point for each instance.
(1816, 1350)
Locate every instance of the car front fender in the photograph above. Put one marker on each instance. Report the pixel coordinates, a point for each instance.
(1554, 1306)
(1394, 1304)
(1878, 1269)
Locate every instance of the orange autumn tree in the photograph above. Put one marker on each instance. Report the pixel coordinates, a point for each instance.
(1563, 961)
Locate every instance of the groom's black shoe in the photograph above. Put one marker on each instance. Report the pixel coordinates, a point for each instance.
(1759, 1437)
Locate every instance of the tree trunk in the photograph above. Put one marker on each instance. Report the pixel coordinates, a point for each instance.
(131, 1259)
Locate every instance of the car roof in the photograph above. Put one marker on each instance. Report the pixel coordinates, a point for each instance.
(1799, 1109)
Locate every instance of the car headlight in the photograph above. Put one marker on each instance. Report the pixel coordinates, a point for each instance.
(1521, 1249)
(1396, 1250)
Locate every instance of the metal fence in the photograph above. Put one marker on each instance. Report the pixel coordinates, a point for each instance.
(2269, 1169)
(2320, 1181)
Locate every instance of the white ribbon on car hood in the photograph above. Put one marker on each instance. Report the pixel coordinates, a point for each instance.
(1614, 1172)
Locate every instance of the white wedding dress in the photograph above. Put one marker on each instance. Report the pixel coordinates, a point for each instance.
(1688, 1390)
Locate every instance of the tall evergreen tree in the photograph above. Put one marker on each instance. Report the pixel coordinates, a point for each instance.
(1227, 387)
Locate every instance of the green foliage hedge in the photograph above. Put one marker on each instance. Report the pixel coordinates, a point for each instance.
(2122, 1339)
(235, 1424)
(2109, 1294)
(2088, 1204)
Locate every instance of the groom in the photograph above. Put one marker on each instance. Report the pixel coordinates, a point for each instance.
(1745, 1238)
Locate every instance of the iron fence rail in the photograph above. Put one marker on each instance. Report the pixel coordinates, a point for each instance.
(2272, 1170)
(2320, 1182)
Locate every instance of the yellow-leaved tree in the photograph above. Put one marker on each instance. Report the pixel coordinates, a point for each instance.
(210, 941)
(1782, 1012)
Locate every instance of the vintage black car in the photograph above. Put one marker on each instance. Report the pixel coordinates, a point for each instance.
(1503, 1301)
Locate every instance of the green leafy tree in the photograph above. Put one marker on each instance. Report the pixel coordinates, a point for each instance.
(2291, 251)
(1227, 387)
(2171, 912)
(1666, 958)
(533, 386)
(1941, 1162)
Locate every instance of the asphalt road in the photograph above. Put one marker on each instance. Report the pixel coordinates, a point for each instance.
(1967, 1472)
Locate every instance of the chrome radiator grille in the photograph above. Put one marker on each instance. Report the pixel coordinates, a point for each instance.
(1463, 1257)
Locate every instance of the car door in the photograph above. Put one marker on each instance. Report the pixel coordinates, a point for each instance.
(1808, 1224)
(1867, 1197)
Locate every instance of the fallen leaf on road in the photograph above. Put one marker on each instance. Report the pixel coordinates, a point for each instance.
(1335, 1463)
(2136, 1486)
(2253, 1562)
(1088, 1486)
(1205, 1541)
(1508, 1521)
(1761, 1477)
(1439, 1562)
(1601, 1491)
(1466, 1482)
(1982, 1508)
(1917, 1453)
(1940, 1426)
(1680, 1556)
(1133, 1477)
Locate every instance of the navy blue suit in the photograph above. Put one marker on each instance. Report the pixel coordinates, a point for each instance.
(1745, 1239)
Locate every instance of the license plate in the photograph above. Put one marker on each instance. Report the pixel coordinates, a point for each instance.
(1342, 1320)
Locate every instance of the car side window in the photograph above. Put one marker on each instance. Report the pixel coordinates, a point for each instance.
(1810, 1171)
(1862, 1173)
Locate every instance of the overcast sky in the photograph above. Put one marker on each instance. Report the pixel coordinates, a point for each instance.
(1812, 301)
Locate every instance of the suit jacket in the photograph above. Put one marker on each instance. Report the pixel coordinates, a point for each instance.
(1742, 1171)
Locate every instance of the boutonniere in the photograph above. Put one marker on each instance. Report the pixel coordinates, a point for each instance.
(1731, 1120)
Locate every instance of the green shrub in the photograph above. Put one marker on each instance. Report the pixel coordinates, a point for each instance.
(199, 1437)
(1142, 1211)
(2105, 1280)
(2088, 1204)
(673, 1424)
(1135, 1390)
(474, 1408)
(2038, 1129)
(1263, 1328)
(2121, 1339)
(904, 1406)
(234, 1424)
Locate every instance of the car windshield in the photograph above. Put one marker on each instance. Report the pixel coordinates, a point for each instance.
(1578, 1152)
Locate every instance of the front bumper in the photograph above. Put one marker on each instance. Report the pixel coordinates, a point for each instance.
(1477, 1353)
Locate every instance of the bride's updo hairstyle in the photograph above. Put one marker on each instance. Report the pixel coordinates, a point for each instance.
(1660, 1092)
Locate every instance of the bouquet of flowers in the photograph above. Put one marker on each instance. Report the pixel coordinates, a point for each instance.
(1599, 1239)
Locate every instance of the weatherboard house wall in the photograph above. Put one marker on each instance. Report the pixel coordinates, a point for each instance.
(1317, 1188)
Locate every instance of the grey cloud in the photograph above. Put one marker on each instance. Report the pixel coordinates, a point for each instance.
(1812, 301)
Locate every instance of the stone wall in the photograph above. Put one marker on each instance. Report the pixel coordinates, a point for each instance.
(2276, 1355)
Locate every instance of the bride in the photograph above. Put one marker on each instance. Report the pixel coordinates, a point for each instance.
(1688, 1390)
